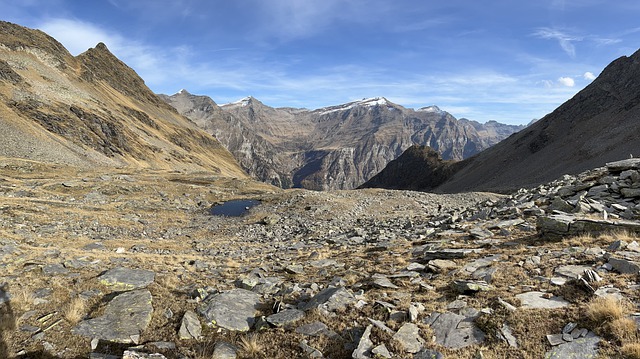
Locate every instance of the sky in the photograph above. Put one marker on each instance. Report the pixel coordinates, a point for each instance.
(504, 60)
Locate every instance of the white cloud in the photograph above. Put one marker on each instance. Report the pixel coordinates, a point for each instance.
(567, 81)
(565, 40)
(589, 76)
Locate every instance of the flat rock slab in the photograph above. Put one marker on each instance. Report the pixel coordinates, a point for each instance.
(190, 327)
(125, 317)
(624, 266)
(428, 354)
(234, 309)
(571, 271)
(409, 338)
(454, 330)
(331, 299)
(623, 165)
(448, 253)
(365, 345)
(537, 300)
(583, 348)
(122, 279)
(285, 317)
(312, 329)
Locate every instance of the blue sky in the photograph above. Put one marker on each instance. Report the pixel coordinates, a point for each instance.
(505, 60)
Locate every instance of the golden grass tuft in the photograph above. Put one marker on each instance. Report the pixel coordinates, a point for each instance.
(603, 310)
(624, 329)
(74, 311)
(23, 299)
(631, 350)
(250, 346)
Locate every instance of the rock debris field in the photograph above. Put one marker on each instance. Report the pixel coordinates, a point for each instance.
(130, 264)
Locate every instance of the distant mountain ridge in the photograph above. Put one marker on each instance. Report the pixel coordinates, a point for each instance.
(599, 124)
(92, 110)
(335, 147)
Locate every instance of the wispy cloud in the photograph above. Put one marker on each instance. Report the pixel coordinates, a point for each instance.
(589, 76)
(565, 39)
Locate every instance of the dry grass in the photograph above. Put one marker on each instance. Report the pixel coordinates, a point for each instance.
(603, 310)
(249, 346)
(624, 329)
(631, 350)
(74, 311)
(23, 300)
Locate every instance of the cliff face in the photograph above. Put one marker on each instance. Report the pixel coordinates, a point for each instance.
(92, 110)
(338, 147)
(600, 124)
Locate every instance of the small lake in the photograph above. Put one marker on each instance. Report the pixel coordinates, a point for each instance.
(235, 208)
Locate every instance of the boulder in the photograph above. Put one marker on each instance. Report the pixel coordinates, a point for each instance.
(122, 279)
(234, 309)
(124, 318)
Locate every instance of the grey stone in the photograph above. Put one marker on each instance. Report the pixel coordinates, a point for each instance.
(480, 233)
(448, 253)
(482, 262)
(381, 351)
(569, 327)
(567, 337)
(127, 315)
(571, 271)
(121, 279)
(441, 265)
(234, 309)
(331, 299)
(382, 326)
(409, 338)
(190, 327)
(365, 345)
(624, 266)
(295, 269)
(54, 269)
(413, 266)
(555, 339)
(285, 317)
(507, 335)
(428, 354)
(450, 333)
(630, 192)
(312, 329)
(623, 165)
(132, 354)
(309, 351)
(224, 350)
(609, 291)
(467, 286)
(382, 281)
(506, 223)
(538, 300)
(582, 348)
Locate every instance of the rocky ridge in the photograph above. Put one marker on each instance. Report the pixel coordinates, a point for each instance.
(92, 110)
(312, 274)
(598, 125)
(337, 147)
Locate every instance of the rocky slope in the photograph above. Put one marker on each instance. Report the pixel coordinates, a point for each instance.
(131, 265)
(599, 124)
(337, 147)
(92, 110)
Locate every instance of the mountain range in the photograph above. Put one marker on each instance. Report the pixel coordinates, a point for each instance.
(599, 124)
(337, 147)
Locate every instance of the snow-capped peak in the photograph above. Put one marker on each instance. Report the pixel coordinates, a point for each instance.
(433, 109)
(182, 92)
(242, 102)
(368, 102)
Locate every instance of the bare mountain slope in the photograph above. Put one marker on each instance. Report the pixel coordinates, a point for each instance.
(599, 124)
(92, 110)
(336, 147)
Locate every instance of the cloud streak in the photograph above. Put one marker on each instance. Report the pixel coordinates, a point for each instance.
(564, 39)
